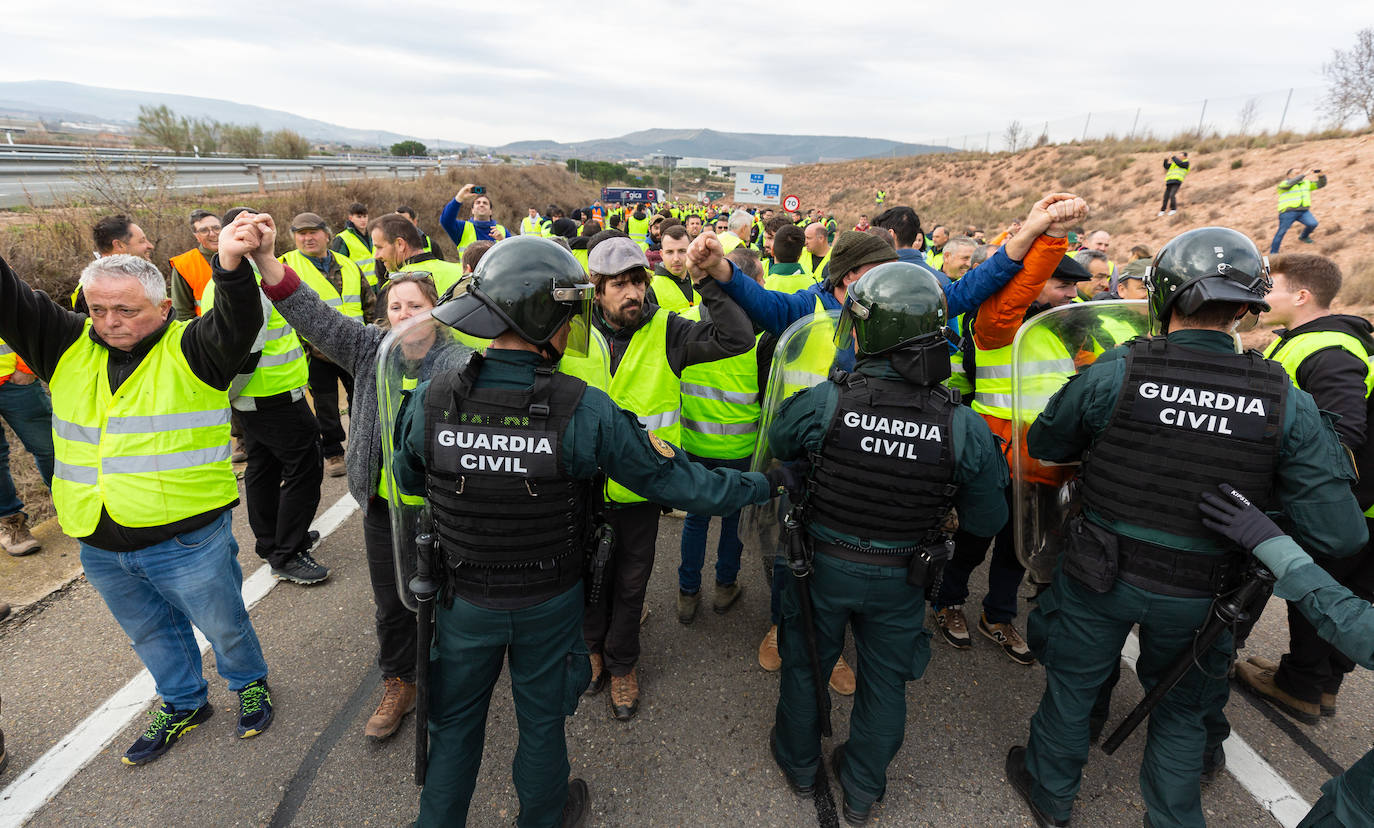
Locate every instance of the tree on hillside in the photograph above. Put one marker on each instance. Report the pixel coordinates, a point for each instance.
(287, 144)
(409, 148)
(243, 141)
(1013, 135)
(1351, 75)
(159, 126)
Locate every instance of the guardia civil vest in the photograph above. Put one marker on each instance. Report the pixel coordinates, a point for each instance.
(669, 296)
(495, 480)
(1175, 172)
(1291, 352)
(531, 226)
(9, 360)
(195, 270)
(349, 302)
(154, 452)
(1296, 197)
(282, 366)
(360, 253)
(445, 274)
(721, 404)
(644, 385)
(886, 467)
(1185, 422)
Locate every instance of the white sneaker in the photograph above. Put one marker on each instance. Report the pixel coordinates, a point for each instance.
(1171, 212)
(1161, 212)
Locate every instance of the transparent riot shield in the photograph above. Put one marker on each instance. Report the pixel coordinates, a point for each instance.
(416, 351)
(803, 357)
(1049, 349)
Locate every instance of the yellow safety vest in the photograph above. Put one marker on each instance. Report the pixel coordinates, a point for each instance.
(790, 282)
(154, 452)
(644, 385)
(729, 241)
(1049, 368)
(936, 260)
(594, 368)
(350, 302)
(531, 226)
(9, 360)
(812, 366)
(446, 274)
(1296, 197)
(470, 235)
(639, 228)
(669, 295)
(281, 367)
(384, 483)
(1175, 172)
(807, 262)
(360, 254)
(720, 404)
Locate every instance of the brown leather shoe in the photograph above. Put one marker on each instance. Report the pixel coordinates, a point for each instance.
(599, 675)
(625, 696)
(1260, 681)
(15, 535)
(334, 466)
(398, 699)
(842, 678)
(768, 651)
(1328, 704)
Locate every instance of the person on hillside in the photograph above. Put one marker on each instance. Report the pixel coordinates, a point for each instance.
(862, 224)
(142, 477)
(480, 227)
(1295, 204)
(191, 270)
(353, 242)
(1175, 170)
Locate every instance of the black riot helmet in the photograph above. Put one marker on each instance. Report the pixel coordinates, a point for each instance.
(898, 310)
(1209, 264)
(528, 285)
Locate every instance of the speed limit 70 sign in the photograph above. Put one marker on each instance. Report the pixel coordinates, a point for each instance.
(791, 204)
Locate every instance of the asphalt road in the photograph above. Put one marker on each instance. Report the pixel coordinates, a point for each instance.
(696, 755)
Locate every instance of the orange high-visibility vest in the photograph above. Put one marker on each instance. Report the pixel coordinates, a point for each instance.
(195, 270)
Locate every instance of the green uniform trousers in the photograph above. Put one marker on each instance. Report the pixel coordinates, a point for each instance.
(1077, 635)
(1346, 800)
(548, 672)
(887, 616)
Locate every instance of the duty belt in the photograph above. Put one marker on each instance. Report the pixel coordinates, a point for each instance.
(866, 555)
(1176, 572)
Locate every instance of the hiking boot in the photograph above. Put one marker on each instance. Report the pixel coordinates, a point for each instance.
(687, 604)
(1020, 779)
(255, 709)
(239, 454)
(1213, 763)
(334, 466)
(300, 568)
(398, 699)
(165, 729)
(852, 815)
(15, 535)
(599, 675)
(577, 804)
(624, 696)
(725, 597)
(1306, 239)
(1260, 680)
(953, 626)
(1328, 702)
(797, 788)
(1008, 638)
(842, 678)
(768, 651)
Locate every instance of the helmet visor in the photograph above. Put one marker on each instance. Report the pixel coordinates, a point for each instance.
(579, 299)
(853, 315)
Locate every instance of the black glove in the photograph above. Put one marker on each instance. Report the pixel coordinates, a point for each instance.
(790, 477)
(1234, 517)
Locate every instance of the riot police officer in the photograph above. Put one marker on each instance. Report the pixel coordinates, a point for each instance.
(507, 451)
(890, 452)
(1167, 418)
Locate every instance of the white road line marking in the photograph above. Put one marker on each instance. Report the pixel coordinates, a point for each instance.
(41, 781)
(1255, 775)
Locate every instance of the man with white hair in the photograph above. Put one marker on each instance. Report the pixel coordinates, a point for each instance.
(737, 232)
(142, 478)
(958, 256)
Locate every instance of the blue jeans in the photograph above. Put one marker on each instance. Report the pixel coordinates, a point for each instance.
(158, 592)
(1286, 219)
(27, 410)
(694, 529)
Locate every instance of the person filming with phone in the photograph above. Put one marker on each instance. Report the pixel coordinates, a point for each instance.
(480, 227)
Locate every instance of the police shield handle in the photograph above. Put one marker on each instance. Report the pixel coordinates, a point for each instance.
(705, 257)
(424, 588)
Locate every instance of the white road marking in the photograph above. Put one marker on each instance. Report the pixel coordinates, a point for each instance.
(42, 780)
(1255, 775)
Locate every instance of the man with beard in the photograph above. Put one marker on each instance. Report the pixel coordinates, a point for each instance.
(649, 349)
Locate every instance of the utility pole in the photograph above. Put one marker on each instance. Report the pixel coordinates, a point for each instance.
(1135, 122)
(1200, 117)
(1284, 116)
(1087, 121)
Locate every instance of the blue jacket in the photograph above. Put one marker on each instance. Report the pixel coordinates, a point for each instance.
(774, 311)
(453, 225)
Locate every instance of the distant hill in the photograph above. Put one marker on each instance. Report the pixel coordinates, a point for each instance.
(78, 102)
(734, 146)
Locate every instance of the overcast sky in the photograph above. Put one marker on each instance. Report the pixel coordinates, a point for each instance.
(489, 73)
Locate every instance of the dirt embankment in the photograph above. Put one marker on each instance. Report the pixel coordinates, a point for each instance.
(1230, 184)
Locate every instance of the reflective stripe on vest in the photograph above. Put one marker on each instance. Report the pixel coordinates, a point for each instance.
(195, 270)
(350, 301)
(384, 482)
(282, 366)
(154, 452)
(992, 378)
(720, 404)
(644, 385)
(531, 226)
(669, 295)
(360, 254)
(638, 228)
(1175, 173)
(1296, 197)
